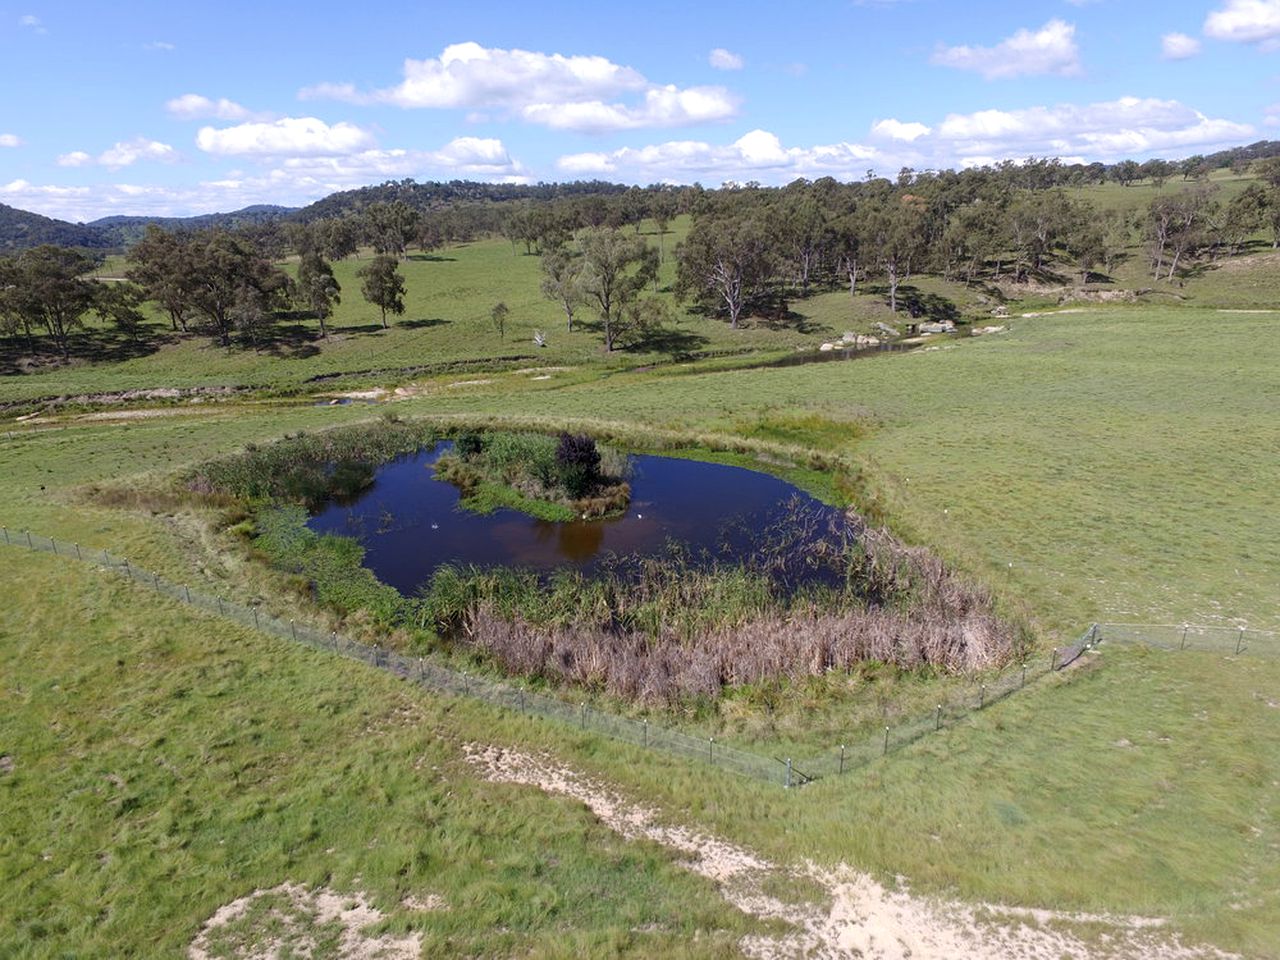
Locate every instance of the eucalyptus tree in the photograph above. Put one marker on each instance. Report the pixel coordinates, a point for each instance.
(233, 286)
(50, 291)
(562, 280)
(382, 285)
(616, 267)
(318, 288)
(162, 263)
(726, 264)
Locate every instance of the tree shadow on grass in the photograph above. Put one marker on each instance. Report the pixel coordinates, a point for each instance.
(672, 341)
(18, 355)
(431, 258)
(423, 323)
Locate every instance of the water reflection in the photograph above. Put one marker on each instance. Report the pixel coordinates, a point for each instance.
(410, 523)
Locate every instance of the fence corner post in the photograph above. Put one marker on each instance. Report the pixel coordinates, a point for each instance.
(788, 782)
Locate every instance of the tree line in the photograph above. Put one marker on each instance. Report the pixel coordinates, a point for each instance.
(749, 251)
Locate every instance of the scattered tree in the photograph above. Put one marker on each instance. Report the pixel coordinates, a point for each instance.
(383, 285)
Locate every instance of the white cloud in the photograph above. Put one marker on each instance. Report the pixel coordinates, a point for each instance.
(1050, 50)
(162, 45)
(897, 130)
(723, 59)
(289, 136)
(193, 106)
(123, 154)
(1115, 130)
(32, 23)
(1245, 21)
(130, 152)
(758, 155)
(661, 107)
(10, 140)
(1178, 46)
(76, 158)
(562, 92)
(292, 181)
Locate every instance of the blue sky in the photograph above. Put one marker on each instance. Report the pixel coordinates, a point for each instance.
(181, 108)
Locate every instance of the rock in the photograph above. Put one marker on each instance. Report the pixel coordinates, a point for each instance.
(827, 347)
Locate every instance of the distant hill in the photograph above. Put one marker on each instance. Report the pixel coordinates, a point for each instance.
(125, 230)
(20, 229)
(433, 195)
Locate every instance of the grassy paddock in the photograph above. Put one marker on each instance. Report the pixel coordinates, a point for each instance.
(166, 763)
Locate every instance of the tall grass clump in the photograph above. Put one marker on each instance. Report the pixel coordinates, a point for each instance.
(311, 467)
(665, 630)
(556, 478)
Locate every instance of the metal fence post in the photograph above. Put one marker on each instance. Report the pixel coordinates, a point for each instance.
(255, 619)
(293, 629)
(711, 749)
(646, 731)
(127, 572)
(982, 696)
(220, 612)
(582, 715)
(30, 545)
(54, 543)
(842, 758)
(522, 699)
(1183, 644)
(1053, 660)
(6, 533)
(937, 719)
(1024, 673)
(1240, 640)
(78, 557)
(187, 590)
(155, 581)
(788, 783)
(886, 739)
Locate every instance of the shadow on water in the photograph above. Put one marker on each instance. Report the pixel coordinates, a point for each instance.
(410, 524)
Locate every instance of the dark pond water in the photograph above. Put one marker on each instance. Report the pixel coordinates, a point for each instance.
(410, 523)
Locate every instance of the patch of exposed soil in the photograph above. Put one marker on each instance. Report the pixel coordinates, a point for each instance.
(292, 921)
(865, 918)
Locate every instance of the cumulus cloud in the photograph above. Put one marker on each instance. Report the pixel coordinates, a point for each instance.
(1178, 46)
(31, 22)
(293, 180)
(10, 140)
(1245, 21)
(758, 155)
(1113, 130)
(562, 92)
(1050, 50)
(722, 59)
(123, 154)
(193, 106)
(289, 136)
(897, 130)
(1110, 131)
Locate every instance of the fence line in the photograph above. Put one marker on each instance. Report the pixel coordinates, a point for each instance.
(787, 771)
(1191, 636)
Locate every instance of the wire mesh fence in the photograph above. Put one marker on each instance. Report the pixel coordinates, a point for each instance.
(784, 770)
(1187, 636)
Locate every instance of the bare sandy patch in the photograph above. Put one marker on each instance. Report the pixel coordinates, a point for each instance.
(290, 920)
(470, 383)
(865, 919)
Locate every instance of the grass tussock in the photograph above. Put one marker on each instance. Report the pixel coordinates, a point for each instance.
(310, 467)
(664, 632)
(558, 479)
